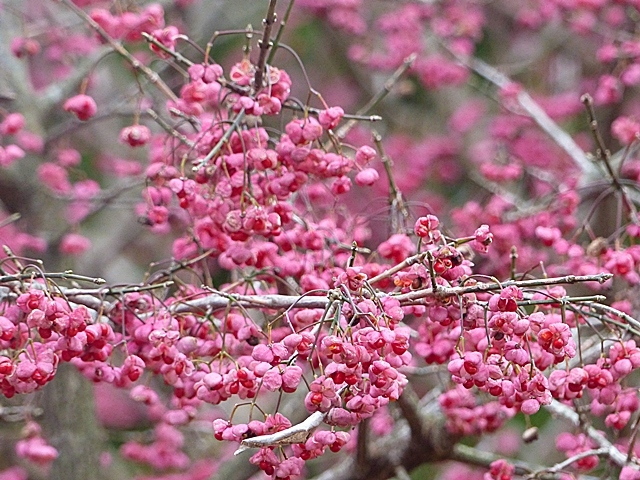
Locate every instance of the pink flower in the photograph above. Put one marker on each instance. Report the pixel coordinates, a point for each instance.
(54, 177)
(30, 141)
(341, 185)
(629, 473)
(290, 467)
(548, 235)
(68, 157)
(132, 367)
(364, 155)
(625, 129)
(322, 395)
(482, 240)
(22, 47)
(74, 244)
(609, 90)
(135, 135)
(330, 117)
(427, 228)
(12, 124)
(397, 248)
(10, 154)
(82, 106)
(631, 75)
(167, 38)
(367, 177)
(506, 300)
(500, 470)
(36, 450)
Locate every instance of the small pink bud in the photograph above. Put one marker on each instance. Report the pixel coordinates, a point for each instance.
(22, 47)
(12, 124)
(367, 177)
(135, 135)
(74, 244)
(364, 155)
(82, 106)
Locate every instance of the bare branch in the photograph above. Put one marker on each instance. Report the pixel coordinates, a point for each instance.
(265, 44)
(529, 105)
(561, 410)
(298, 433)
(219, 300)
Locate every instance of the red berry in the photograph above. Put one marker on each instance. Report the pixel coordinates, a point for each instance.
(470, 368)
(338, 377)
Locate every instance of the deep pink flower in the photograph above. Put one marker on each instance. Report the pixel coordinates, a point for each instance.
(330, 117)
(12, 124)
(135, 135)
(367, 177)
(626, 130)
(167, 38)
(74, 244)
(82, 106)
(482, 240)
(322, 396)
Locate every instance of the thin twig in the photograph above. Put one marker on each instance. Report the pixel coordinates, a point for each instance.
(377, 98)
(396, 202)
(265, 44)
(604, 155)
(225, 138)
(283, 24)
(418, 258)
(445, 292)
(68, 275)
(168, 128)
(557, 134)
(316, 111)
(176, 55)
(615, 455)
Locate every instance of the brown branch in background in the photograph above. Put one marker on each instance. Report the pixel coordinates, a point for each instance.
(473, 456)
(558, 409)
(265, 44)
(362, 452)
(531, 108)
(422, 439)
(604, 155)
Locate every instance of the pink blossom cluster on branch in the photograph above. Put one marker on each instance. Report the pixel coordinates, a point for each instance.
(260, 183)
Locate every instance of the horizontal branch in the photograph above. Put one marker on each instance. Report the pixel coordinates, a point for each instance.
(444, 292)
(217, 301)
(615, 455)
(298, 433)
